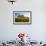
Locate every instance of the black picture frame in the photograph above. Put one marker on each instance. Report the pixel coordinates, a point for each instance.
(22, 17)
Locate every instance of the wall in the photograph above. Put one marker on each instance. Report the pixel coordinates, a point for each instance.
(9, 31)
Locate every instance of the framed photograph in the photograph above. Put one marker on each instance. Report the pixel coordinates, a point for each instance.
(22, 17)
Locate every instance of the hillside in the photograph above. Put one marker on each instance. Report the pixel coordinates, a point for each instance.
(22, 19)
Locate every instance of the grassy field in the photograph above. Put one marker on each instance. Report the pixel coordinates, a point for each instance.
(22, 19)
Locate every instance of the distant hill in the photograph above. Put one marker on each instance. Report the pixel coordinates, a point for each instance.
(20, 15)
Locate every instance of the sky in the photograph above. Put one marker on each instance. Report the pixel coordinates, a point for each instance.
(26, 14)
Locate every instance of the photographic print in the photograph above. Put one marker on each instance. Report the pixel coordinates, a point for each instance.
(22, 17)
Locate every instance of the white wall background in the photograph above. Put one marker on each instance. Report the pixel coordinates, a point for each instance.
(9, 31)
